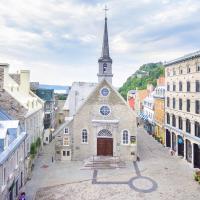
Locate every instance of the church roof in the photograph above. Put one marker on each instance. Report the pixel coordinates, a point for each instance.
(99, 85)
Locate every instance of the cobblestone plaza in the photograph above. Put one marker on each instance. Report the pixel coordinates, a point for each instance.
(157, 175)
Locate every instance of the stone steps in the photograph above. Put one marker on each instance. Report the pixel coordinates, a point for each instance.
(103, 163)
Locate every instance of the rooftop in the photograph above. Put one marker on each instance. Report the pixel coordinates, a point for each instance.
(183, 58)
(4, 115)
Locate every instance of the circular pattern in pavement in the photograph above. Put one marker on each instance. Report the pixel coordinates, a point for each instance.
(142, 184)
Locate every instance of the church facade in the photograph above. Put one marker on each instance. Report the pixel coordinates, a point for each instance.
(98, 120)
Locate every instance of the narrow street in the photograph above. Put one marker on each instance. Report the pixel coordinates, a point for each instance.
(172, 176)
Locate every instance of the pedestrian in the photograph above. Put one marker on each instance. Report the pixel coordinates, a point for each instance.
(138, 124)
(22, 196)
(52, 159)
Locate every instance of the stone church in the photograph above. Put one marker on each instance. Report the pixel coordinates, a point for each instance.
(98, 120)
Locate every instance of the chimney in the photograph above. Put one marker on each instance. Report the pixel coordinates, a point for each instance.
(3, 74)
(161, 81)
(24, 81)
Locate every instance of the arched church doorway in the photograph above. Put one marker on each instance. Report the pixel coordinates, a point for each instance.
(104, 143)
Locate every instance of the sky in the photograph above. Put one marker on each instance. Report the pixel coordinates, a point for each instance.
(60, 41)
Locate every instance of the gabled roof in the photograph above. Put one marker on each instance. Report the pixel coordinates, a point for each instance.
(104, 81)
(8, 126)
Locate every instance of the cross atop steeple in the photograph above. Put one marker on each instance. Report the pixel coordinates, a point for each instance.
(106, 9)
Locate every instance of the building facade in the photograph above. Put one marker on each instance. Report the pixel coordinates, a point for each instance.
(20, 103)
(159, 110)
(148, 113)
(47, 95)
(13, 157)
(182, 107)
(99, 122)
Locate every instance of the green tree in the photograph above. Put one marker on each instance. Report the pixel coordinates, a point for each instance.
(155, 70)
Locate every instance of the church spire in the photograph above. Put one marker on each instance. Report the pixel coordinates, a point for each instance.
(105, 46)
(105, 62)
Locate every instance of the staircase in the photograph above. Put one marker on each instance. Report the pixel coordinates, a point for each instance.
(103, 162)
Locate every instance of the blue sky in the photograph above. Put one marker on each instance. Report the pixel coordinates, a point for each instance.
(60, 40)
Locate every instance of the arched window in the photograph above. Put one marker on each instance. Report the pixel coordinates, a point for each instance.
(104, 133)
(125, 138)
(104, 67)
(84, 136)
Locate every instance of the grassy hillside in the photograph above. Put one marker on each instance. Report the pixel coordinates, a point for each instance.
(154, 71)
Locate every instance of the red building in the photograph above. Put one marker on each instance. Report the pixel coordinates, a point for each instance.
(131, 98)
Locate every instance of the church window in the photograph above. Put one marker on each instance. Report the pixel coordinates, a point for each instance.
(104, 133)
(105, 110)
(104, 92)
(125, 139)
(84, 136)
(104, 67)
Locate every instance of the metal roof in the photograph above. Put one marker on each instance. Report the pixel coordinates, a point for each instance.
(183, 58)
(4, 115)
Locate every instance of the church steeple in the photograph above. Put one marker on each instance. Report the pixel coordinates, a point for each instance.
(105, 46)
(105, 62)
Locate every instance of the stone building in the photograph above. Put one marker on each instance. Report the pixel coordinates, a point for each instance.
(20, 103)
(159, 109)
(182, 107)
(13, 157)
(99, 122)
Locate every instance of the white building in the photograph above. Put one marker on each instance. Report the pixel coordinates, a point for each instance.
(13, 154)
(148, 113)
(19, 102)
(182, 107)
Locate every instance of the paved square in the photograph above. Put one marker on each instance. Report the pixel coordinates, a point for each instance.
(158, 175)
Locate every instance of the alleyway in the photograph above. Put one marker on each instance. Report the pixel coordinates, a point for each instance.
(165, 177)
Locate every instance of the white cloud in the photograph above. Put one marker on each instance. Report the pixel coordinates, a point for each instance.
(65, 37)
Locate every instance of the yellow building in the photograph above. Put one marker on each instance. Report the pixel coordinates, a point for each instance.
(159, 112)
